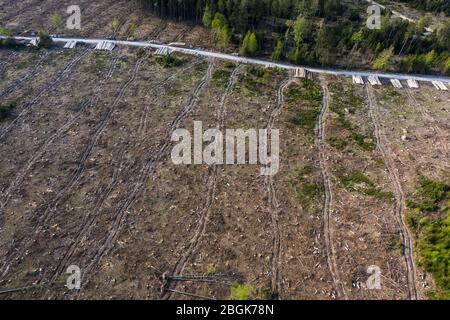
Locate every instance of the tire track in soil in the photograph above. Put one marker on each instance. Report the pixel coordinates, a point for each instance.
(93, 141)
(382, 144)
(87, 101)
(52, 204)
(48, 87)
(146, 171)
(30, 75)
(273, 205)
(339, 289)
(427, 117)
(89, 220)
(181, 264)
(104, 194)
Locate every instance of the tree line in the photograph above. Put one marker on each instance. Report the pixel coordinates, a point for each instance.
(315, 32)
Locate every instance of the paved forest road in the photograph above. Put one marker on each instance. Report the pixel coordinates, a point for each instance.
(244, 60)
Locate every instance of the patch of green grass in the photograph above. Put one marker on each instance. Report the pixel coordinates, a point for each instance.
(308, 90)
(6, 110)
(229, 65)
(337, 143)
(200, 68)
(303, 115)
(393, 96)
(221, 76)
(45, 41)
(11, 43)
(394, 242)
(256, 80)
(308, 191)
(138, 53)
(379, 194)
(429, 216)
(305, 171)
(438, 294)
(357, 181)
(4, 32)
(365, 142)
(259, 72)
(312, 191)
(254, 85)
(240, 291)
(347, 101)
(430, 193)
(434, 250)
(350, 179)
(311, 90)
(292, 93)
(278, 71)
(345, 98)
(397, 244)
(97, 62)
(169, 61)
(380, 163)
(124, 61)
(305, 118)
(211, 269)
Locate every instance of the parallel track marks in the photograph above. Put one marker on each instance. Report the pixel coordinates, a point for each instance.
(49, 86)
(170, 285)
(90, 218)
(272, 202)
(47, 213)
(145, 172)
(44, 146)
(93, 141)
(85, 229)
(399, 195)
(328, 201)
(11, 88)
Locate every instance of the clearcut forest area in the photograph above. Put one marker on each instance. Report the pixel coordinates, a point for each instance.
(87, 176)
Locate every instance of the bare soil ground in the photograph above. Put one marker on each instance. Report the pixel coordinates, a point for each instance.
(86, 176)
(96, 21)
